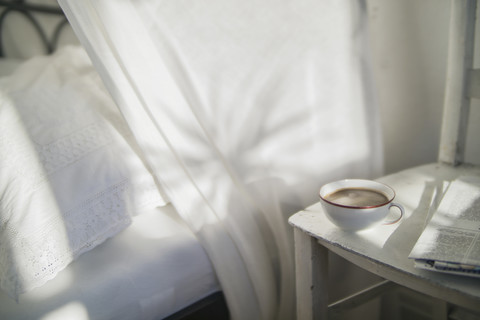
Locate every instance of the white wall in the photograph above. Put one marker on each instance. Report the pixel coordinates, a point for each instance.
(409, 41)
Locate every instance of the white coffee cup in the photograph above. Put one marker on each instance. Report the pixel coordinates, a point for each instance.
(356, 204)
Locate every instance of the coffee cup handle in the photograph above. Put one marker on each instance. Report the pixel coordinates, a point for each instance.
(402, 211)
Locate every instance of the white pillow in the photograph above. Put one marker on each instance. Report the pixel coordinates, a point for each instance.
(70, 173)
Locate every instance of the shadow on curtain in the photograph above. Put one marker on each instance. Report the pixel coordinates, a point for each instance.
(242, 110)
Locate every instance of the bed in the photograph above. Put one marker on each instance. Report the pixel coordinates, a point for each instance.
(149, 265)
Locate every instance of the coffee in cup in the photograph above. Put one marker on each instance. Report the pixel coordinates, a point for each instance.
(355, 204)
(357, 197)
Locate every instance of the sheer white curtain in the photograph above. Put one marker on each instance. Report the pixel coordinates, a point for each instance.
(243, 108)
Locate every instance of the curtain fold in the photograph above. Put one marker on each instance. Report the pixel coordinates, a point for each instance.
(242, 109)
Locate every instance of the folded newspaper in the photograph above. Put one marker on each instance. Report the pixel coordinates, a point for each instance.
(451, 240)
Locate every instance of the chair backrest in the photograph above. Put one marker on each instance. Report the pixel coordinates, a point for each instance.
(463, 82)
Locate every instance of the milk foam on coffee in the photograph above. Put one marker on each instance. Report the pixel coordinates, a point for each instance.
(357, 197)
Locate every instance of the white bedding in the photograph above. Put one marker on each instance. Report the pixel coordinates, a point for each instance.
(150, 270)
(149, 267)
(70, 174)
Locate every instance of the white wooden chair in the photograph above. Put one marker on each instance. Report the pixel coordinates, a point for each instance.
(462, 85)
(463, 82)
(313, 239)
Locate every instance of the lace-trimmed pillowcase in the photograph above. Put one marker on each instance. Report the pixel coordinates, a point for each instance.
(70, 173)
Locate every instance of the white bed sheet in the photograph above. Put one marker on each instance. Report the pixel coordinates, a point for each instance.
(150, 270)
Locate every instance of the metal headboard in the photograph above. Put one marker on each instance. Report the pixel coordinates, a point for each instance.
(29, 10)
